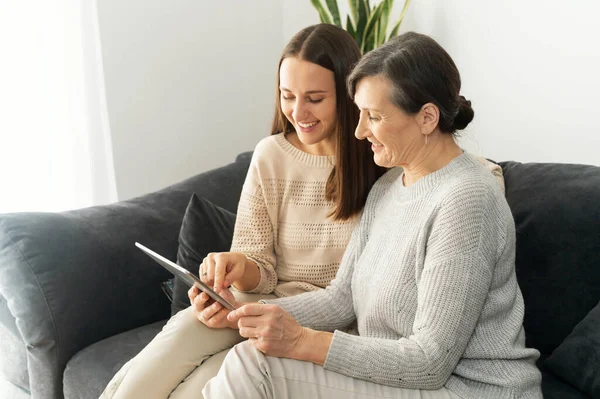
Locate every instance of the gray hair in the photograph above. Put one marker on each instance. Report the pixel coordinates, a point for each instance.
(420, 71)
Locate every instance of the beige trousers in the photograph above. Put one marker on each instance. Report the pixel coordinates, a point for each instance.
(247, 373)
(179, 361)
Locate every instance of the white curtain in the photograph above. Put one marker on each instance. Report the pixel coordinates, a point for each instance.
(55, 148)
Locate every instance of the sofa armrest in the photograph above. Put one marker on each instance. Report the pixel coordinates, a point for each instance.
(74, 278)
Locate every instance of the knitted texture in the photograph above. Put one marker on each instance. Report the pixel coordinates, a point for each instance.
(429, 276)
(282, 222)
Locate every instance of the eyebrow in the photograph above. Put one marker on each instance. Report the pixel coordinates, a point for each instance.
(369, 109)
(308, 92)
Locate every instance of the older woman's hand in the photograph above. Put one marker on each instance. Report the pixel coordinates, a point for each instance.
(275, 332)
(210, 312)
(271, 329)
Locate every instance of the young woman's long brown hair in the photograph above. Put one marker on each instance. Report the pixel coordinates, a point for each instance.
(354, 172)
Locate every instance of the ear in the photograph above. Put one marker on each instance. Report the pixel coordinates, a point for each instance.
(428, 118)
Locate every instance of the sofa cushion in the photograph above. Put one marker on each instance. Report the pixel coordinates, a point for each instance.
(556, 212)
(555, 388)
(577, 359)
(90, 370)
(13, 361)
(205, 228)
(73, 278)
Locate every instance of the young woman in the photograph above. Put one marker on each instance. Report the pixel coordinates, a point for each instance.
(294, 220)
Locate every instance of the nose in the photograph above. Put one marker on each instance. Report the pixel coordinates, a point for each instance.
(362, 130)
(299, 111)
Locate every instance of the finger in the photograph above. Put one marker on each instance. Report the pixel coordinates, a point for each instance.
(249, 321)
(228, 296)
(200, 302)
(220, 271)
(219, 319)
(235, 270)
(252, 309)
(210, 269)
(202, 271)
(249, 332)
(192, 293)
(211, 310)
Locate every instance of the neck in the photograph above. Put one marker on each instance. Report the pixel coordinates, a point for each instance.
(440, 151)
(324, 147)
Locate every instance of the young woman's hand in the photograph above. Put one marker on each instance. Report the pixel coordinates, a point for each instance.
(221, 269)
(211, 313)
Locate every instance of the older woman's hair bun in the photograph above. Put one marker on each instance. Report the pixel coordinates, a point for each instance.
(465, 114)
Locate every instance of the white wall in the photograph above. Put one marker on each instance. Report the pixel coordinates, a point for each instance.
(530, 67)
(189, 84)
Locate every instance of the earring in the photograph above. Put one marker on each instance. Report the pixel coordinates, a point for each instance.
(426, 139)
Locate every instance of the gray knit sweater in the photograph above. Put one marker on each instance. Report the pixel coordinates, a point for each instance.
(429, 275)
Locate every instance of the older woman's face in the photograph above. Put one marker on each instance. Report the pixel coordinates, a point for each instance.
(395, 136)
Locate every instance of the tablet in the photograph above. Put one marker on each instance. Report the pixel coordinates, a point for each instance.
(189, 278)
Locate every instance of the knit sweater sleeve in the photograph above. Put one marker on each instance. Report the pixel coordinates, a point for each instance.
(462, 248)
(332, 307)
(253, 233)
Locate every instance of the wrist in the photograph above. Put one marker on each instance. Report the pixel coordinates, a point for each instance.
(313, 346)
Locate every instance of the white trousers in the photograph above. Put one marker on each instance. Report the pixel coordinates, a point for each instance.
(179, 361)
(247, 373)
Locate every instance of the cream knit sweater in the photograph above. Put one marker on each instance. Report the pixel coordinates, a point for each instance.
(282, 221)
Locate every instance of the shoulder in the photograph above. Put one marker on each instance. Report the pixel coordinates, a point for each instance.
(473, 177)
(473, 190)
(269, 154)
(470, 203)
(269, 147)
(493, 168)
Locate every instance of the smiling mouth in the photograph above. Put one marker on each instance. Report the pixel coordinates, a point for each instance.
(307, 125)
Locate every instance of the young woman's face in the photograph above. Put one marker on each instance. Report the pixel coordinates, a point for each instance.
(308, 100)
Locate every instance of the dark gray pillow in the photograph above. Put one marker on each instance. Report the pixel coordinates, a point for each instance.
(205, 228)
(577, 359)
(556, 212)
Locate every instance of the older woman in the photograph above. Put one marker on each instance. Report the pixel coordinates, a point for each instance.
(429, 273)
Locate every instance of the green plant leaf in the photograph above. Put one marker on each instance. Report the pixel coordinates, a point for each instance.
(394, 31)
(383, 22)
(371, 24)
(353, 4)
(323, 14)
(363, 17)
(350, 27)
(370, 44)
(334, 11)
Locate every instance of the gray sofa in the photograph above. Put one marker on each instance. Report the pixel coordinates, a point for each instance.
(77, 299)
